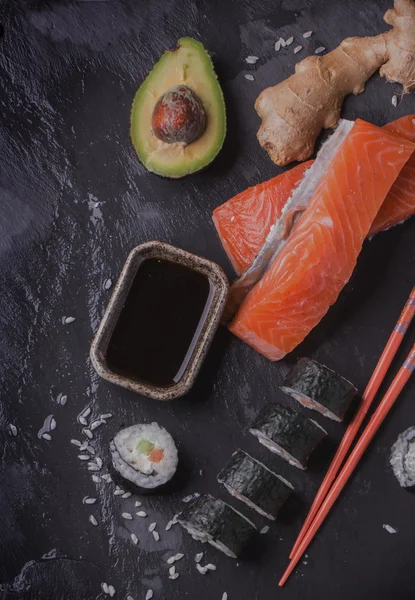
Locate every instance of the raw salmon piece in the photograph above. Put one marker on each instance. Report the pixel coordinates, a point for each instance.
(318, 259)
(283, 227)
(244, 221)
(399, 204)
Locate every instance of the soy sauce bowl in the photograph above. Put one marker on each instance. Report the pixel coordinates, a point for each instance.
(124, 350)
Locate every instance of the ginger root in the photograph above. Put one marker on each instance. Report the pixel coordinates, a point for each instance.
(294, 111)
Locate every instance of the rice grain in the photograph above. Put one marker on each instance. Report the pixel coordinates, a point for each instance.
(202, 570)
(88, 500)
(92, 466)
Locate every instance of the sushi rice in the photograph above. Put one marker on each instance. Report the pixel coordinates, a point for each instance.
(145, 455)
(402, 458)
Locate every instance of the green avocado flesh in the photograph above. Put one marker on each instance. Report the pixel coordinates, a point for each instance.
(188, 65)
(145, 447)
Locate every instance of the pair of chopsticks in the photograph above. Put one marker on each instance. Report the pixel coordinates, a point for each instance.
(331, 487)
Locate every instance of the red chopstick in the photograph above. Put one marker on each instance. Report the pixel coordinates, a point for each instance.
(367, 398)
(368, 434)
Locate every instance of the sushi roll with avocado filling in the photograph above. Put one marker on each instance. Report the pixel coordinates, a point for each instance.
(209, 519)
(288, 433)
(402, 459)
(144, 455)
(253, 483)
(319, 388)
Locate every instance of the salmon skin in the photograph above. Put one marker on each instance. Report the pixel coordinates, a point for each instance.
(317, 260)
(244, 221)
(281, 229)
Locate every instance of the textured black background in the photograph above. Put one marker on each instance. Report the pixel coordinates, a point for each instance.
(68, 76)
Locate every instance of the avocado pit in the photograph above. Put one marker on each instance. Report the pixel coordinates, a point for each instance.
(178, 116)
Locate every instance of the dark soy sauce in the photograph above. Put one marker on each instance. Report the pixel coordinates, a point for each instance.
(160, 322)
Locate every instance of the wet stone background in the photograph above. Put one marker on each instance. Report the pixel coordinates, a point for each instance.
(74, 200)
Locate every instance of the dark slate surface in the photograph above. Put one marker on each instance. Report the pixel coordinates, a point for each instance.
(74, 201)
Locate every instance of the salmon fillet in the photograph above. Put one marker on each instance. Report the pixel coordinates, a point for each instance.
(399, 204)
(244, 221)
(317, 260)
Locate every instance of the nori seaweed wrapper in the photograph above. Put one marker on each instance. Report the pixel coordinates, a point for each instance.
(259, 487)
(318, 387)
(217, 522)
(289, 429)
(402, 459)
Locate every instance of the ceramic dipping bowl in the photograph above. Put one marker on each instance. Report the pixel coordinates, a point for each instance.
(208, 324)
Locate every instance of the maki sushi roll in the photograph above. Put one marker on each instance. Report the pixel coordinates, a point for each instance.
(319, 388)
(145, 455)
(288, 433)
(402, 459)
(253, 483)
(209, 519)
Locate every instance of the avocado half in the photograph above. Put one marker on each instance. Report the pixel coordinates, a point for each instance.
(188, 65)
